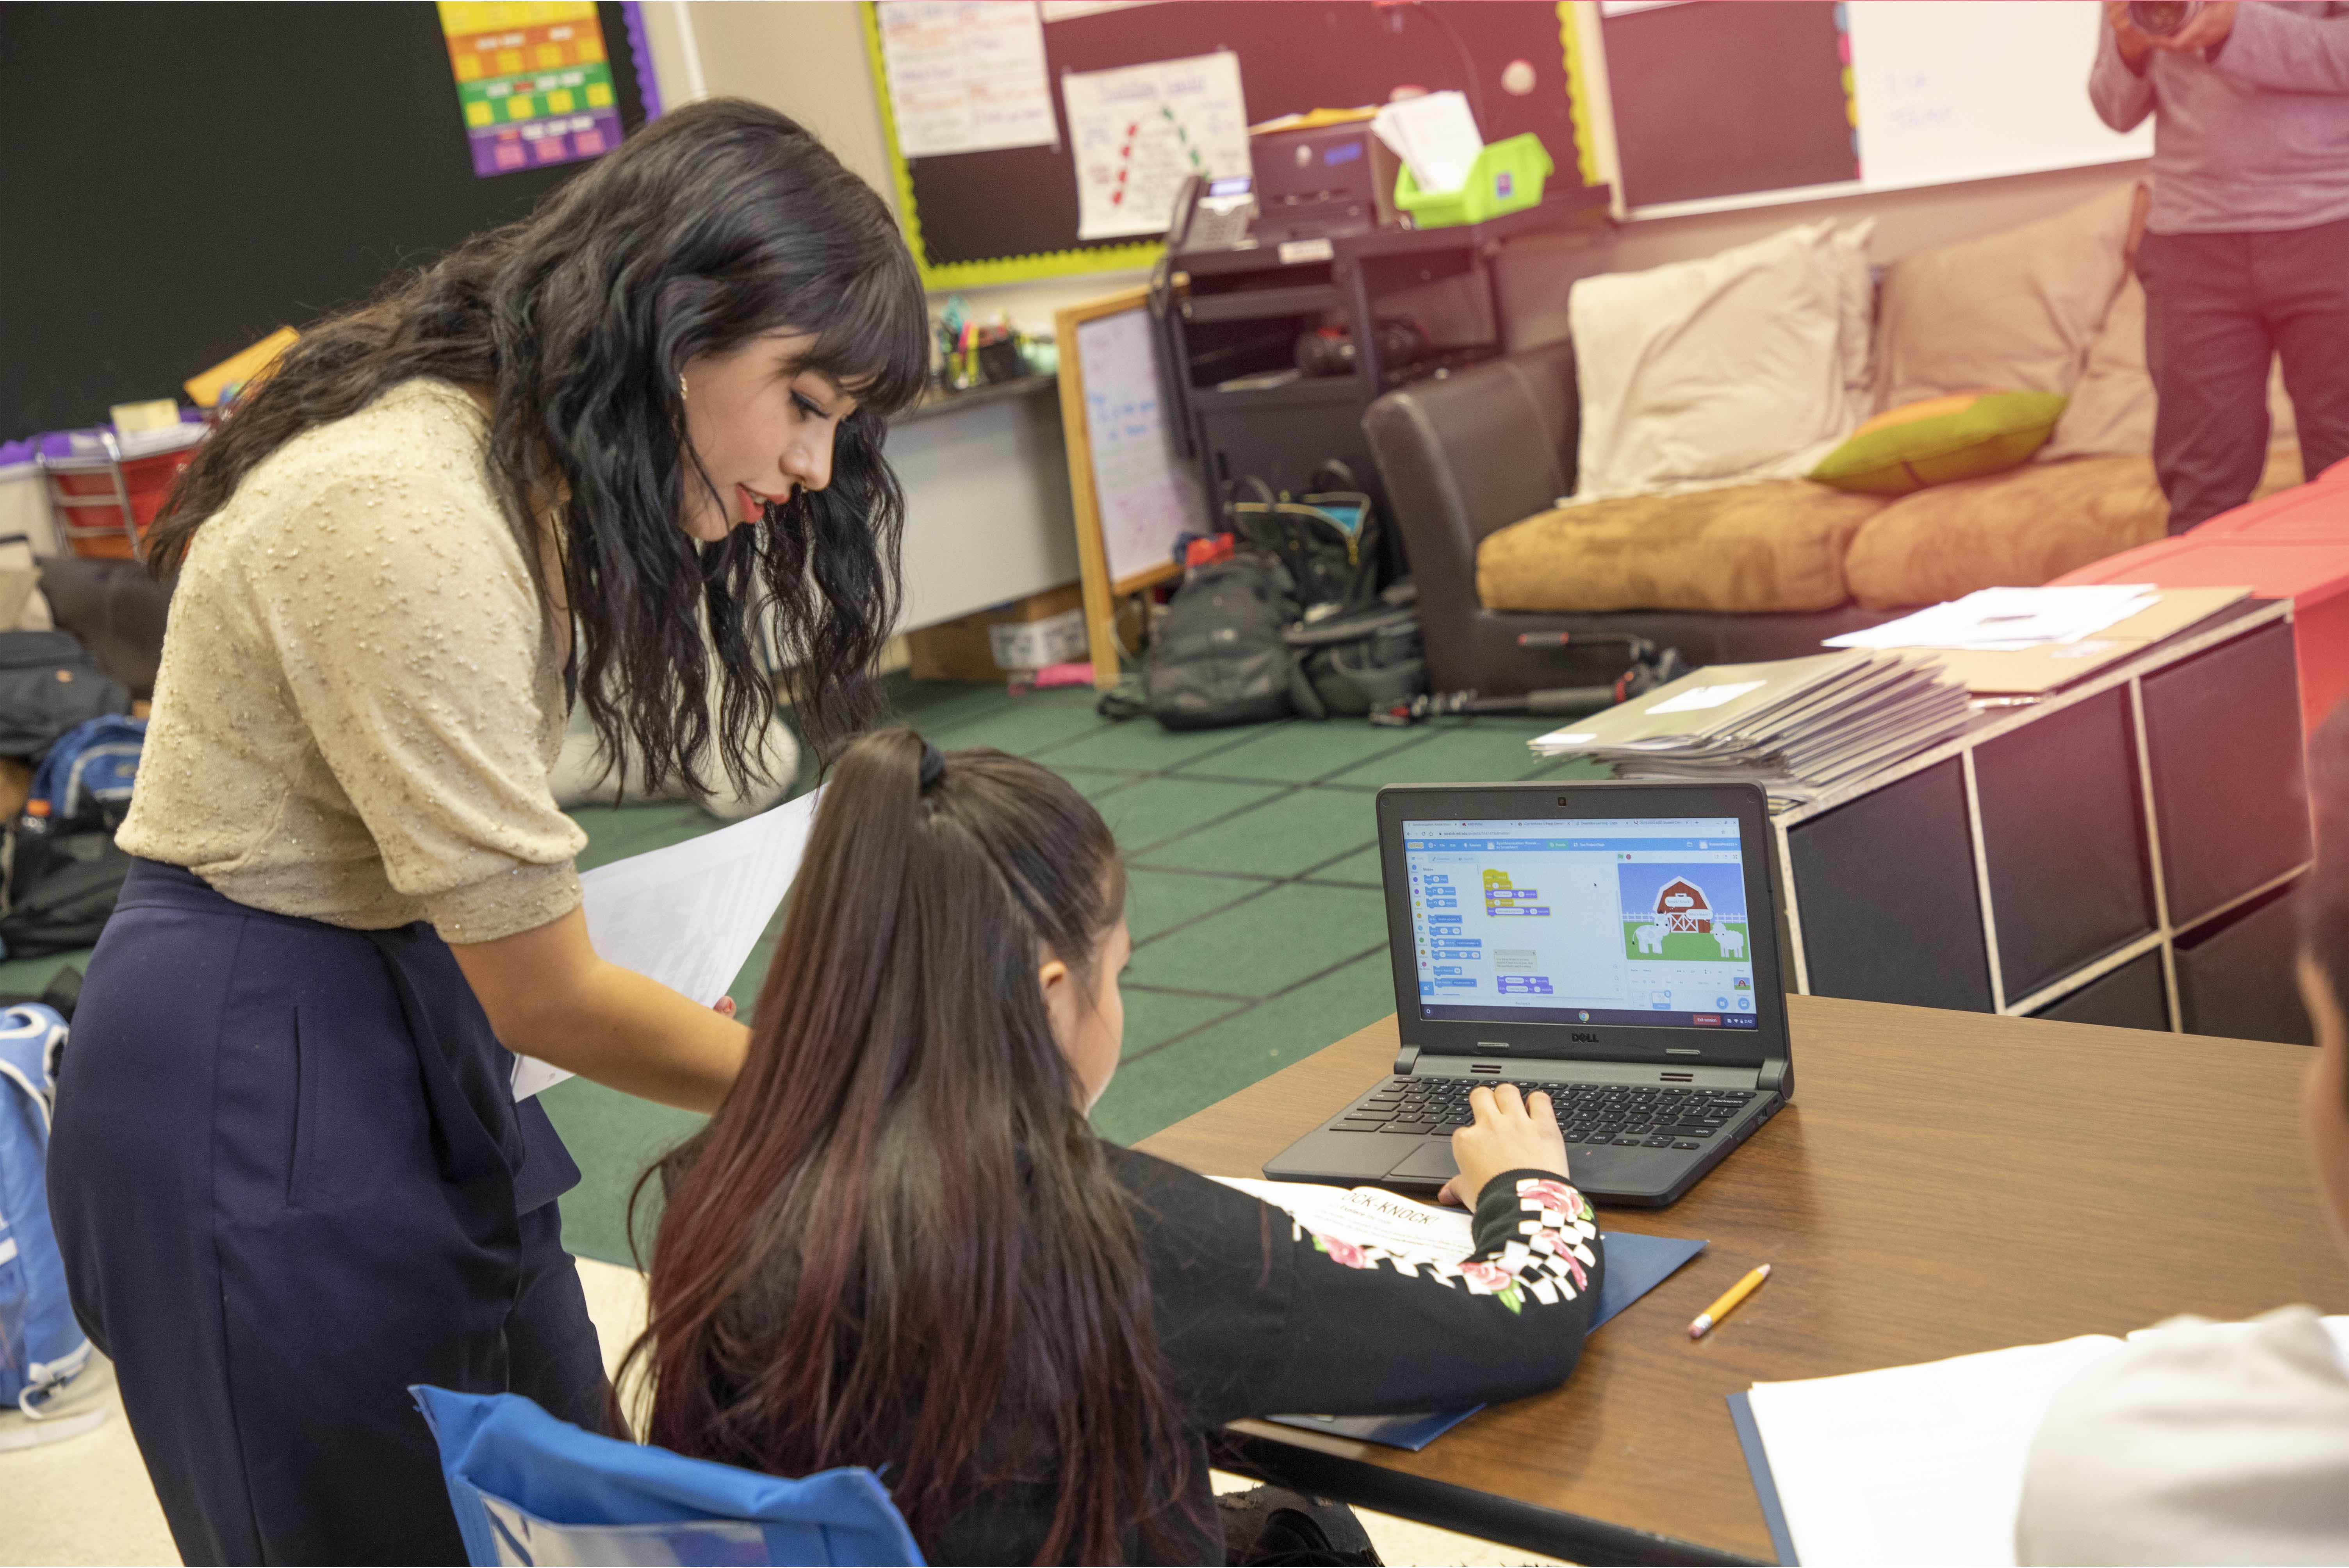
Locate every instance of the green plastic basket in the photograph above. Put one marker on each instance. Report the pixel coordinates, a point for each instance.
(1507, 175)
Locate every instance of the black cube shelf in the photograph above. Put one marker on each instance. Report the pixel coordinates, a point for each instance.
(2119, 852)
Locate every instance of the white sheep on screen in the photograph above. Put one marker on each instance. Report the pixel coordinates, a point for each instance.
(1733, 943)
(1651, 938)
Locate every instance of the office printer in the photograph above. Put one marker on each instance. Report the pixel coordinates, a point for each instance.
(1308, 182)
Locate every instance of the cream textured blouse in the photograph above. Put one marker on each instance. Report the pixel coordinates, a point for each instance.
(360, 698)
(2200, 1442)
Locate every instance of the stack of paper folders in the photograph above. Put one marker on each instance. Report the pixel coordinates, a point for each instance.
(1801, 727)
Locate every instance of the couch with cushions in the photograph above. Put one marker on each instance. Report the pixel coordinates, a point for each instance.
(1644, 475)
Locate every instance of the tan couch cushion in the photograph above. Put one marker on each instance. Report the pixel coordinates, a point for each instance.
(2015, 310)
(2019, 528)
(1776, 546)
(2112, 408)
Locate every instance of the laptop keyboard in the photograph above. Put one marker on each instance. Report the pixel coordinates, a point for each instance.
(1634, 1116)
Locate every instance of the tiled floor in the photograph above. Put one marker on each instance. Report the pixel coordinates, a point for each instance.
(1258, 926)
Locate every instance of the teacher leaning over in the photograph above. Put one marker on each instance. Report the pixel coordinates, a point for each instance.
(288, 1175)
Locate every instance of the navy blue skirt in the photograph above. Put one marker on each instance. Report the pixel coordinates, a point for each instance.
(289, 1179)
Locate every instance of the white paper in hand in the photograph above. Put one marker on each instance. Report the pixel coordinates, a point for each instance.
(688, 916)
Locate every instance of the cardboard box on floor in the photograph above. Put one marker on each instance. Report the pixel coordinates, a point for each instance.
(1047, 628)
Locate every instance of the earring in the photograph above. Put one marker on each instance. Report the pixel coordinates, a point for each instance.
(680, 387)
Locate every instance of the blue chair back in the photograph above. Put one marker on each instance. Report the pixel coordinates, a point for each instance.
(530, 1488)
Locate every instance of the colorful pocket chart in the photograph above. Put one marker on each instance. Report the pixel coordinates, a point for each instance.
(534, 83)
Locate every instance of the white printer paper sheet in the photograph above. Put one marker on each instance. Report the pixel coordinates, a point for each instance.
(1921, 1464)
(688, 916)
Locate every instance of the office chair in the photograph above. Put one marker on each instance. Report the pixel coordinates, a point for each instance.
(530, 1488)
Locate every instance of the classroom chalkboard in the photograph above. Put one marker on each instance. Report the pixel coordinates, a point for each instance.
(1719, 100)
(182, 180)
(1003, 215)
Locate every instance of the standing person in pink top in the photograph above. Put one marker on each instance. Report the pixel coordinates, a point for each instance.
(2245, 257)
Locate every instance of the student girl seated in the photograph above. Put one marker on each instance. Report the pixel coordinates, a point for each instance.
(2221, 1442)
(901, 1244)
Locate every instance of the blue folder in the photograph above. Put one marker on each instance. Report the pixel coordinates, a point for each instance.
(1636, 1264)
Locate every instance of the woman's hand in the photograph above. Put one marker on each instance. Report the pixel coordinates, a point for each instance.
(548, 995)
(1509, 1134)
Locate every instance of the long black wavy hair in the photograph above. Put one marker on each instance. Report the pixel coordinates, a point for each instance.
(716, 224)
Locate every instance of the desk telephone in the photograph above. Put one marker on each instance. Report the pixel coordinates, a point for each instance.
(1214, 215)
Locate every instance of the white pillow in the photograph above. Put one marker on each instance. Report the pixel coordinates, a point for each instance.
(1746, 364)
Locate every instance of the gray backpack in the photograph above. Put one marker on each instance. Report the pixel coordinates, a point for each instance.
(1219, 657)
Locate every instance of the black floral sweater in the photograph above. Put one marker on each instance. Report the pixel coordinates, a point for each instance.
(1258, 1316)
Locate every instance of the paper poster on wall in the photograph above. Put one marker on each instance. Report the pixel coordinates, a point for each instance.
(1069, 10)
(1146, 494)
(1939, 95)
(965, 78)
(1138, 131)
(533, 81)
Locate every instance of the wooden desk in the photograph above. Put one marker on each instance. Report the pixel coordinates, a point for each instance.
(1944, 1182)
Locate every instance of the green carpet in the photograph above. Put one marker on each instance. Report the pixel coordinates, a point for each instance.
(1259, 932)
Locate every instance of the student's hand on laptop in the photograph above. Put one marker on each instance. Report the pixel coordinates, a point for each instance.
(1509, 1133)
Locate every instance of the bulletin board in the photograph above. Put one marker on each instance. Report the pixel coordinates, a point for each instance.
(1718, 104)
(184, 179)
(1133, 490)
(1011, 213)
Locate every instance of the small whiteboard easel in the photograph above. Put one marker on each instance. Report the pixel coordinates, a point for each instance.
(1132, 489)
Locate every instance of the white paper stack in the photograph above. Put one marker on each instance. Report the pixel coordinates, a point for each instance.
(1801, 727)
(2005, 619)
(1434, 135)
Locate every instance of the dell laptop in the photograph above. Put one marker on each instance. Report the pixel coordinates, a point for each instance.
(1615, 945)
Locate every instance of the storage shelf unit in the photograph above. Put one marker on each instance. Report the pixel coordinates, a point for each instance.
(2120, 851)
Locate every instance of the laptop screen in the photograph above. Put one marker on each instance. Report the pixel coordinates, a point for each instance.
(1592, 921)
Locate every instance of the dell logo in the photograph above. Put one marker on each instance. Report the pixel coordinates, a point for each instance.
(1582, 1038)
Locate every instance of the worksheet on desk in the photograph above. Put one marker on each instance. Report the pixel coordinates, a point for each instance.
(1913, 1464)
(688, 916)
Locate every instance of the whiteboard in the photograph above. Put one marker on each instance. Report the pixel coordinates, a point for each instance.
(1934, 91)
(1962, 90)
(1145, 491)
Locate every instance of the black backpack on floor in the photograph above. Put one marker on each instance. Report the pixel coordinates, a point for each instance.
(61, 898)
(1327, 539)
(1358, 664)
(1219, 657)
(50, 682)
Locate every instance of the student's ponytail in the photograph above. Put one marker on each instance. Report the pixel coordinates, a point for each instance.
(899, 1244)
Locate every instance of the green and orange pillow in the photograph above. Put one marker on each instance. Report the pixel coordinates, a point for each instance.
(1959, 437)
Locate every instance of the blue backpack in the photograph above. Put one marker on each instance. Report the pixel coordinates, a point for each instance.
(85, 778)
(62, 869)
(42, 1348)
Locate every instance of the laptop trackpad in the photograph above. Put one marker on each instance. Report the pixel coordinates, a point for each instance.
(1429, 1161)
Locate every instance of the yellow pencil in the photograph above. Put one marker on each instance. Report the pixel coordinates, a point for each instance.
(1729, 1298)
